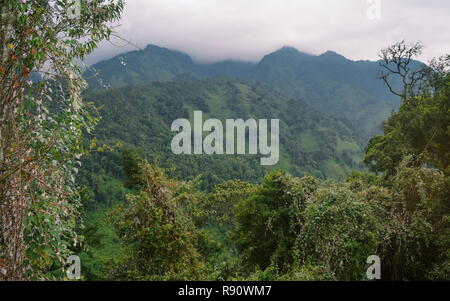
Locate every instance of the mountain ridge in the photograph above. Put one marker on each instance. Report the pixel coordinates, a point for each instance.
(329, 82)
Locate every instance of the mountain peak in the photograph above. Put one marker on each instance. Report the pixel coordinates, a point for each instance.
(286, 54)
(153, 46)
(290, 50)
(157, 48)
(332, 54)
(169, 54)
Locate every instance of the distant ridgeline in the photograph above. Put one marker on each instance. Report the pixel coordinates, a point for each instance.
(342, 88)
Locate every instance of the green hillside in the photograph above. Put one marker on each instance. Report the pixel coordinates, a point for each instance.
(330, 83)
(141, 116)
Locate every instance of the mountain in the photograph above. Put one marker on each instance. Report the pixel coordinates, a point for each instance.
(159, 64)
(330, 83)
(137, 67)
(141, 117)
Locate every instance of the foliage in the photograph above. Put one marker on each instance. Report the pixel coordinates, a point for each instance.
(222, 200)
(41, 128)
(415, 234)
(339, 231)
(266, 224)
(413, 156)
(286, 228)
(421, 127)
(159, 235)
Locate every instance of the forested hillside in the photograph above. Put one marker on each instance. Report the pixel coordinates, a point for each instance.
(141, 117)
(330, 83)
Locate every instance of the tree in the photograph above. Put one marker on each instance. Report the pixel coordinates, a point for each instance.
(41, 128)
(339, 230)
(397, 61)
(132, 167)
(421, 127)
(157, 228)
(268, 220)
(414, 157)
(223, 200)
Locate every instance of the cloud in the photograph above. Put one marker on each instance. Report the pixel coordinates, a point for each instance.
(213, 30)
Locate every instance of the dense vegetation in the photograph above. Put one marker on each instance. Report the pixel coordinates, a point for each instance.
(285, 228)
(281, 227)
(41, 127)
(135, 211)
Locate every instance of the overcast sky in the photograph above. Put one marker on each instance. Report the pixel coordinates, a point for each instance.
(213, 30)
